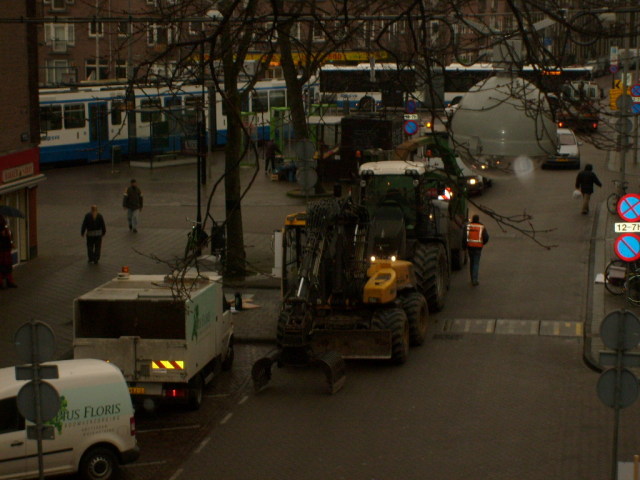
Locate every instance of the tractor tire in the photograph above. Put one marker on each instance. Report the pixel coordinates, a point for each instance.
(458, 259)
(415, 306)
(394, 319)
(432, 274)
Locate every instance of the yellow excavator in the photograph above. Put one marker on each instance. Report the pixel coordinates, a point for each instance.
(362, 273)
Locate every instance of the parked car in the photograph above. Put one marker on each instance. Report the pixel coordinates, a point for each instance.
(93, 432)
(568, 154)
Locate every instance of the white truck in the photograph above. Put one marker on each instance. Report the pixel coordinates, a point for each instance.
(169, 339)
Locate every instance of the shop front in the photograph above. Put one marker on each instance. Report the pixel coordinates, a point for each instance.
(19, 179)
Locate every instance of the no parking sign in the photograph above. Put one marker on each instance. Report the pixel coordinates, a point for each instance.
(627, 247)
(629, 207)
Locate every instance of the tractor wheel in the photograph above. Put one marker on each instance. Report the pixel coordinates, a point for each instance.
(432, 274)
(394, 319)
(415, 306)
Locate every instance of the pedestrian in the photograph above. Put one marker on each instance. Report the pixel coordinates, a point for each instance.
(477, 237)
(6, 260)
(94, 227)
(584, 182)
(132, 201)
(270, 156)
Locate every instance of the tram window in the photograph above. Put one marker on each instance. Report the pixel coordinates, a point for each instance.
(260, 101)
(117, 108)
(74, 116)
(277, 98)
(150, 110)
(51, 118)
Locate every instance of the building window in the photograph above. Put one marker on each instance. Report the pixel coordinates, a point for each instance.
(161, 34)
(121, 69)
(59, 35)
(96, 29)
(318, 32)
(123, 29)
(74, 116)
(58, 5)
(50, 118)
(260, 101)
(90, 69)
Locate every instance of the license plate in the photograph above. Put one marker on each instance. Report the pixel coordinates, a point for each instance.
(136, 390)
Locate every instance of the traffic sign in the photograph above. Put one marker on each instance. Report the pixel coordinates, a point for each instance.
(629, 207)
(635, 90)
(410, 127)
(411, 106)
(34, 337)
(627, 388)
(626, 227)
(410, 116)
(627, 247)
(613, 68)
(620, 330)
(49, 401)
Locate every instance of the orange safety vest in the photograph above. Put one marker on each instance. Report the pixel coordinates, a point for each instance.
(474, 235)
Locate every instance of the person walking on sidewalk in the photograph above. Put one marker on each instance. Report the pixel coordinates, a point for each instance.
(584, 182)
(94, 227)
(6, 260)
(477, 237)
(132, 201)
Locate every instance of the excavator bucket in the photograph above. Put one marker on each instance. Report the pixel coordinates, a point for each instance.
(261, 370)
(333, 367)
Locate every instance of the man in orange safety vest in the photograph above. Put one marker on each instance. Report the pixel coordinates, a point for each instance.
(476, 238)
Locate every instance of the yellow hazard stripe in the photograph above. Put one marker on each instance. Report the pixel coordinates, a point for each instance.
(167, 364)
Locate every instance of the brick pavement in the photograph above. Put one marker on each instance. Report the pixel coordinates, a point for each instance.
(49, 283)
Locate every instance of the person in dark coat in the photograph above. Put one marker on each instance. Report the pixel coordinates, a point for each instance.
(476, 238)
(94, 227)
(6, 260)
(132, 201)
(270, 156)
(584, 182)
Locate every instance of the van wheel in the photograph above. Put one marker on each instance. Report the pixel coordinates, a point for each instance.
(99, 463)
(196, 387)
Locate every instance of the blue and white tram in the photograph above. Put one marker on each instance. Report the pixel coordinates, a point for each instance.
(82, 125)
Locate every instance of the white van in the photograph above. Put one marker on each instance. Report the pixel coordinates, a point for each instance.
(94, 430)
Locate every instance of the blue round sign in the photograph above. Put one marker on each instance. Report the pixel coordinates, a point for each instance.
(635, 108)
(627, 247)
(411, 106)
(635, 90)
(629, 207)
(410, 127)
(613, 68)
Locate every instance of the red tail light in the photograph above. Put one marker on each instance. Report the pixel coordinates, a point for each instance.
(595, 125)
(132, 426)
(561, 124)
(176, 393)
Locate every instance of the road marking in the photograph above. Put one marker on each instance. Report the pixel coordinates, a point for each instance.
(505, 326)
(167, 429)
(202, 444)
(177, 474)
(145, 464)
(243, 399)
(226, 418)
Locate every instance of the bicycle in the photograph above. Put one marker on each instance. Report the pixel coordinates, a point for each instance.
(623, 278)
(196, 239)
(614, 198)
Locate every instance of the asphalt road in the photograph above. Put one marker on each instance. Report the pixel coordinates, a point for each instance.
(499, 391)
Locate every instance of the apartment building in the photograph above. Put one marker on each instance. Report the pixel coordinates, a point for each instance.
(19, 135)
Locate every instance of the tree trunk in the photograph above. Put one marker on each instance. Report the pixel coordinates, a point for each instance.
(294, 85)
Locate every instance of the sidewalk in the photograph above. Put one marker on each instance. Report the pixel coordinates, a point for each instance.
(48, 284)
(602, 253)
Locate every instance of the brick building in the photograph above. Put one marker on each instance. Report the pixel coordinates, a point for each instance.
(19, 135)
